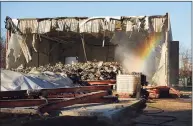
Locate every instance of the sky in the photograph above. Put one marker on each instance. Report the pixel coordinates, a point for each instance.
(180, 12)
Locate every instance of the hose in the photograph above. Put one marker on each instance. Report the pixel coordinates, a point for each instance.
(154, 114)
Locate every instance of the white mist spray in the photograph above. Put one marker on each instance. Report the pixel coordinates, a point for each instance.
(127, 56)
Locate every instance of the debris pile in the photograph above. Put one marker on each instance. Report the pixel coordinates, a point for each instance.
(81, 71)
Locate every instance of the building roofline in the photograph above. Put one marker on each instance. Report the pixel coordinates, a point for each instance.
(84, 17)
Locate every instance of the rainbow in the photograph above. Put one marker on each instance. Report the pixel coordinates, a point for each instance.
(146, 47)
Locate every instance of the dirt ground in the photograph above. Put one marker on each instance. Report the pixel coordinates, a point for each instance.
(167, 112)
(178, 111)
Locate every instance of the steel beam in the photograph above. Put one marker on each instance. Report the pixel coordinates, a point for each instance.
(102, 82)
(78, 89)
(60, 104)
(23, 93)
(66, 95)
(24, 102)
(38, 102)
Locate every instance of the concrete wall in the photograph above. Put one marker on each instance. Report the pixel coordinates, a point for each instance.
(105, 53)
(93, 52)
(43, 53)
(61, 51)
(174, 62)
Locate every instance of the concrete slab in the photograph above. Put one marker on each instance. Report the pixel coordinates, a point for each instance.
(114, 113)
(100, 110)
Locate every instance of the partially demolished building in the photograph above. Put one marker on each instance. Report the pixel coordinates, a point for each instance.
(39, 41)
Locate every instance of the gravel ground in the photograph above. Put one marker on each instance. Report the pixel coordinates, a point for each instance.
(161, 110)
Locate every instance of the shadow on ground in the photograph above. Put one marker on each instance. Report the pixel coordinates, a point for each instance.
(168, 118)
(167, 112)
(179, 118)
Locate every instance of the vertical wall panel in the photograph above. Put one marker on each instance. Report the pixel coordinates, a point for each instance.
(174, 62)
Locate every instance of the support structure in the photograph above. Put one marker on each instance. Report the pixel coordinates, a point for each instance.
(167, 52)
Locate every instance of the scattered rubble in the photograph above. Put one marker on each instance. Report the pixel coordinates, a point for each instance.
(81, 71)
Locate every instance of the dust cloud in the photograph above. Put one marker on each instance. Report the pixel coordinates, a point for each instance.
(128, 59)
(126, 54)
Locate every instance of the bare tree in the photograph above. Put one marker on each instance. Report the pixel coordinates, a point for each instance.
(186, 66)
(3, 52)
(3, 47)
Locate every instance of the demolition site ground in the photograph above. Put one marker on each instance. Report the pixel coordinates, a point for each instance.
(167, 112)
(162, 112)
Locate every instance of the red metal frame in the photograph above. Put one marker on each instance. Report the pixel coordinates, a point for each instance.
(57, 98)
(38, 102)
(24, 102)
(77, 89)
(23, 93)
(102, 82)
(60, 104)
(154, 92)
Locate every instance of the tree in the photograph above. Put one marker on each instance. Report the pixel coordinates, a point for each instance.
(3, 52)
(185, 71)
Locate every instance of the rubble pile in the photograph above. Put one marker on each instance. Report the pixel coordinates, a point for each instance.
(81, 71)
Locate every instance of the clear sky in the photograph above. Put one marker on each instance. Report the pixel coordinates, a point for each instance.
(180, 12)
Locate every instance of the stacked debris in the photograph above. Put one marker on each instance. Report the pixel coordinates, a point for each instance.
(48, 100)
(81, 71)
